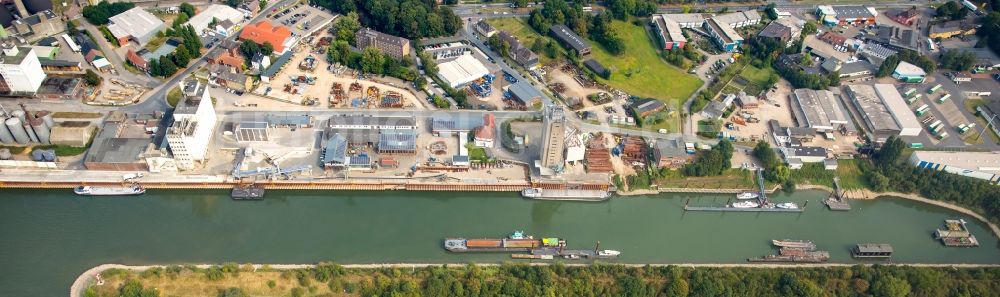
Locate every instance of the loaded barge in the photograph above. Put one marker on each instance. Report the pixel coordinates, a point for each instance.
(526, 247)
(794, 251)
(247, 192)
(566, 194)
(516, 242)
(956, 234)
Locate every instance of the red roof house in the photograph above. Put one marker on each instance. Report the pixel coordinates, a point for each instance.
(265, 32)
(136, 60)
(485, 134)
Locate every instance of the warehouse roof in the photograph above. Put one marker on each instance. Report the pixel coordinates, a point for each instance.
(109, 148)
(897, 107)
(980, 161)
(461, 71)
(135, 22)
(809, 151)
(277, 64)
(907, 69)
(336, 149)
(820, 108)
(669, 29)
(853, 11)
(397, 140)
(569, 37)
(524, 92)
(686, 17)
(872, 107)
(215, 11)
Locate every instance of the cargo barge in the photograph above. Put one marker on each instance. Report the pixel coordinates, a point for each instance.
(872, 251)
(956, 234)
(793, 243)
(109, 191)
(247, 192)
(566, 194)
(516, 242)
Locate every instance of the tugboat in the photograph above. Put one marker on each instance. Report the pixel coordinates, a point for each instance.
(747, 195)
(109, 191)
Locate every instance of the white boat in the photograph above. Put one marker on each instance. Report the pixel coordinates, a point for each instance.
(532, 193)
(745, 204)
(747, 195)
(608, 253)
(787, 205)
(109, 191)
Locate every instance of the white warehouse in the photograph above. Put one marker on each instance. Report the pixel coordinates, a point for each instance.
(893, 101)
(981, 165)
(461, 71)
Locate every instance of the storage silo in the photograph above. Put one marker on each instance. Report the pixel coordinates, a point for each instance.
(19, 114)
(5, 136)
(40, 130)
(46, 116)
(31, 132)
(14, 125)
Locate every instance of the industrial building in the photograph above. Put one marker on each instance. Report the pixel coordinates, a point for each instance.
(454, 124)
(392, 46)
(797, 156)
(846, 14)
(738, 19)
(264, 32)
(981, 165)
(20, 71)
(135, 24)
(819, 110)
(778, 32)
(397, 142)
(125, 143)
(363, 129)
(37, 26)
(724, 36)
(335, 153)
(215, 13)
(876, 53)
(461, 71)
(524, 93)
(570, 40)
(686, 20)
(669, 32)
(671, 153)
(193, 125)
(554, 146)
(71, 133)
(897, 38)
(893, 101)
(909, 73)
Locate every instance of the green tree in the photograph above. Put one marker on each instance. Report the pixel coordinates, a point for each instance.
(346, 27)
(91, 78)
(372, 61)
(181, 57)
(188, 9)
(678, 287)
(887, 156)
(167, 66)
(890, 286)
(233, 292)
(809, 28)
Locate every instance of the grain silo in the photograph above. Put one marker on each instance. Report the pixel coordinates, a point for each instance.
(30, 132)
(19, 114)
(5, 136)
(46, 116)
(41, 130)
(14, 125)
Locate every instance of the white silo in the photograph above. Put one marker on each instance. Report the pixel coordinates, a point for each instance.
(14, 125)
(31, 133)
(5, 136)
(19, 114)
(46, 116)
(41, 131)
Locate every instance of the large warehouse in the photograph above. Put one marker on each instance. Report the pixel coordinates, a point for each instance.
(981, 165)
(879, 106)
(819, 110)
(907, 121)
(461, 71)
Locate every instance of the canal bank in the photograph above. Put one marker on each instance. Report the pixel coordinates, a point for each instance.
(51, 237)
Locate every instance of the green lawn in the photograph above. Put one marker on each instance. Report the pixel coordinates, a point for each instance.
(174, 96)
(756, 75)
(641, 72)
(731, 179)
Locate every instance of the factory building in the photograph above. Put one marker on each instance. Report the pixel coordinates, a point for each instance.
(135, 24)
(981, 165)
(846, 14)
(193, 126)
(364, 130)
(909, 73)
(461, 71)
(37, 26)
(570, 40)
(21, 72)
(215, 13)
(819, 110)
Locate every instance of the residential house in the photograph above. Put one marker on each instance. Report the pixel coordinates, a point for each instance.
(906, 17)
(646, 106)
(670, 154)
(485, 29)
(264, 32)
(518, 52)
(778, 32)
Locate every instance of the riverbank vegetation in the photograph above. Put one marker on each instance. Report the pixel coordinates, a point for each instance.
(555, 280)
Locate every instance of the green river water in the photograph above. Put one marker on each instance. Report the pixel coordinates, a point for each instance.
(48, 237)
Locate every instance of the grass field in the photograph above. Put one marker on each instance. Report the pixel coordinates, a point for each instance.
(848, 171)
(756, 75)
(174, 96)
(641, 72)
(731, 179)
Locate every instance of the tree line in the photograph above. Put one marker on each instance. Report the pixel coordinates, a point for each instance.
(100, 13)
(407, 18)
(616, 280)
(597, 27)
(712, 162)
(188, 50)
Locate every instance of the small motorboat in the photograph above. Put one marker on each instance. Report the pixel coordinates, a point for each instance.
(608, 253)
(531, 193)
(787, 205)
(747, 195)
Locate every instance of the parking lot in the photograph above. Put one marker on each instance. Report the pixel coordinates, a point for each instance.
(303, 19)
(951, 112)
